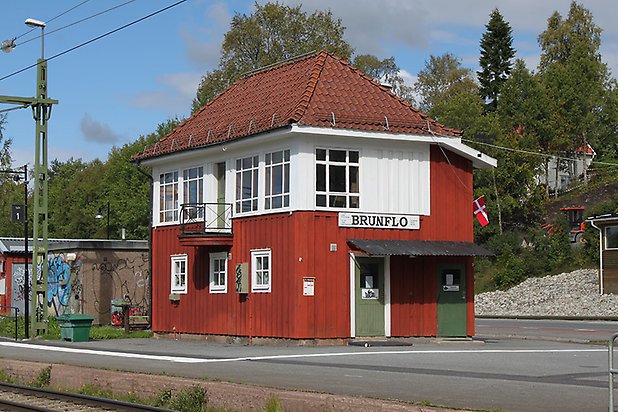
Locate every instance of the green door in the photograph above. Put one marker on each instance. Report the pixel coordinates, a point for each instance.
(369, 291)
(451, 300)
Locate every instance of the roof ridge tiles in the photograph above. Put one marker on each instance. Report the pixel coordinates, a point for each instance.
(306, 97)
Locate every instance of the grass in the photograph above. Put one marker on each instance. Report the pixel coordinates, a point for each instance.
(7, 329)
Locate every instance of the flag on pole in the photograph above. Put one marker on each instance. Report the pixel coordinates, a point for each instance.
(480, 211)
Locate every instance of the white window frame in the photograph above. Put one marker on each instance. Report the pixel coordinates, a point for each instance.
(213, 287)
(606, 237)
(174, 185)
(254, 173)
(199, 181)
(175, 287)
(327, 193)
(284, 194)
(258, 255)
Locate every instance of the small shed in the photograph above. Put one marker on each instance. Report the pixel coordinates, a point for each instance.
(607, 225)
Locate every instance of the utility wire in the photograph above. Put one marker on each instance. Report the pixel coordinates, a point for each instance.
(50, 20)
(535, 153)
(76, 22)
(95, 39)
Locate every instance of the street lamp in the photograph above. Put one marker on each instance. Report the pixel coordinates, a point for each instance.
(41, 112)
(100, 216)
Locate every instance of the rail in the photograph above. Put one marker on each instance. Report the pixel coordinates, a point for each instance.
(612, 370)
(202, 218)
(15, 317)
(24, 398)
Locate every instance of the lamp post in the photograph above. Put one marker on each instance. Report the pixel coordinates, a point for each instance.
(100, 216)
(41, 111)
(24, 217)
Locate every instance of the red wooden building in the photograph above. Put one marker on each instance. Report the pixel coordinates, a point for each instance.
(307, 201)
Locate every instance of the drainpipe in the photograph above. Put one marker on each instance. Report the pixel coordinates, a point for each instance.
(150, 178)
(600, 256)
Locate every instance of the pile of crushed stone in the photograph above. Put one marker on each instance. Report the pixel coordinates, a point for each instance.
(573, 294)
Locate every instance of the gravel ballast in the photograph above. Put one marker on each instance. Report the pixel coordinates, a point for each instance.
(574, 294)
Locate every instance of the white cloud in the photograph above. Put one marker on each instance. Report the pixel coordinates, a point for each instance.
(178, 91)
(98, 132)
(204, 45)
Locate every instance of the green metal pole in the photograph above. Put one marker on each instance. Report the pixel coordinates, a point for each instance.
(41, 112)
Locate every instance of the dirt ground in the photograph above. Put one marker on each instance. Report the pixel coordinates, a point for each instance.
(232, 396)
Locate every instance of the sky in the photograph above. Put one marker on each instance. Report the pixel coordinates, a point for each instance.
(122, 86)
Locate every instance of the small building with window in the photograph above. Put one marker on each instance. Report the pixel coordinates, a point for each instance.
(607, 225)
(307, 201)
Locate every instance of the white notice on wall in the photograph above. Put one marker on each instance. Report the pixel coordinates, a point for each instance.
(308, 286)
(378, 221)
(2, 287)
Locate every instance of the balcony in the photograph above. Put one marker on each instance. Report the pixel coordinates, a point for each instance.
(206, 224)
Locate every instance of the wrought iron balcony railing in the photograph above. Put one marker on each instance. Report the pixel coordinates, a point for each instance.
(203, 218)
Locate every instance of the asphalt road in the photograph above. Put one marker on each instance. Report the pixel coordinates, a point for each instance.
(493, 373)
(565, 330)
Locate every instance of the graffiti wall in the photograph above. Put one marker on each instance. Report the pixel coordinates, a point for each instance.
(64, 288)
(88, 281)
(18, 285)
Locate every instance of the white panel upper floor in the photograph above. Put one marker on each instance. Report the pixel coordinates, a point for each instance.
(394, 174)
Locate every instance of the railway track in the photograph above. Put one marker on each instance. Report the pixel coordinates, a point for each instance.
(23, 398)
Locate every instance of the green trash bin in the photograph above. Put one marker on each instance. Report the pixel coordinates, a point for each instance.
(75, 327)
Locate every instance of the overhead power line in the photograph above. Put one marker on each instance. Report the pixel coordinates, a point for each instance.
(50, 20)
(76, 22)
(96, 38)
(541, 154)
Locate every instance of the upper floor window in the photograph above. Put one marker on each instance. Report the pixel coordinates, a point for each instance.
(277, 173)
(611, 237)
(168, 197)
(247, 184)
(193, 189)
(179, 274)
(337, 178)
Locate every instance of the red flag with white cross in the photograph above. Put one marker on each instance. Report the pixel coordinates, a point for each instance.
(480, 211)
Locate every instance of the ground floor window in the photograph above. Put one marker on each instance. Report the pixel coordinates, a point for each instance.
(179, 274)
(218, 272)
(261, 270)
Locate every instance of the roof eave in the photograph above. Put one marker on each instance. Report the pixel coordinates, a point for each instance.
(479, 160)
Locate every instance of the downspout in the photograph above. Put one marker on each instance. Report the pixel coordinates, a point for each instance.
(600, 256)
(150, 274)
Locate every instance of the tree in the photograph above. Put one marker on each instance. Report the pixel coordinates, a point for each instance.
(495, 61)
(385, 72)
(11, 192)
(274, 32)
(577, 82)
(128, 190)
(442, 78)
(524, 112)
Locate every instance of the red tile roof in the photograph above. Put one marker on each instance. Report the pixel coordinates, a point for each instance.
(317, 89)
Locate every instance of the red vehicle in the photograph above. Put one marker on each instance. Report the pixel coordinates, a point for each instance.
(577, 227)
(575, 219)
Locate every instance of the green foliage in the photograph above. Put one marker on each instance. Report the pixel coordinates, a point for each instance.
(5, 377)
(112, 332)
(74, 194)
(274, 32)
(193, 399)
(273, 405)
(43, 378)
(577, 81)
(496, 55)
(385, 72)
(442, 78)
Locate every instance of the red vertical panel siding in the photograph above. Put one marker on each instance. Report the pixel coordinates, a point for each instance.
(300, 244)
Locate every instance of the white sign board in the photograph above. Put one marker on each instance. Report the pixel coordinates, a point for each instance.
(379, 221)
(308, 286)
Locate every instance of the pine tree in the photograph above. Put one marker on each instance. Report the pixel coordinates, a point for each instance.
(495, 61)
